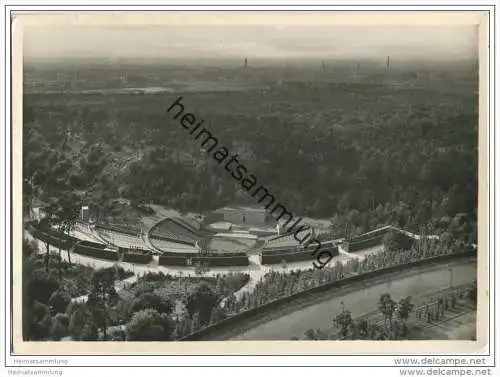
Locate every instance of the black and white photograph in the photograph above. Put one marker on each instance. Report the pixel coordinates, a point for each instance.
(250, 177)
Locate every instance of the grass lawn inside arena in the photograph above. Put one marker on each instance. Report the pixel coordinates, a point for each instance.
(318, 312)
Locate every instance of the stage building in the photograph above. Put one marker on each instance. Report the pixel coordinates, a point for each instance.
(241, 215)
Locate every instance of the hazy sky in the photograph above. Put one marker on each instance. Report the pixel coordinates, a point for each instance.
(258, 41)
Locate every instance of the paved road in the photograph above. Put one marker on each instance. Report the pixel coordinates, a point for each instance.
(359, 301)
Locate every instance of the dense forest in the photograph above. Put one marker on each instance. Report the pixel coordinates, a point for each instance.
(147, 309)
(378, 150)
(363, 152)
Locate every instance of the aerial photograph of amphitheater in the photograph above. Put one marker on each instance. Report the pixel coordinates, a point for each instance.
(134, 229)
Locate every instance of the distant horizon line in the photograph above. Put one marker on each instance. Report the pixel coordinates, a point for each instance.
(382, 59)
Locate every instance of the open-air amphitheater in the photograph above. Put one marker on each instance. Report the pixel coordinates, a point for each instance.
(233, 241)
(176, 245)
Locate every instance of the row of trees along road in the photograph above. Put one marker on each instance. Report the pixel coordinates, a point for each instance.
(395, 316)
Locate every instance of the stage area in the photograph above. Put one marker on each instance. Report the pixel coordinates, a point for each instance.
(231, 242)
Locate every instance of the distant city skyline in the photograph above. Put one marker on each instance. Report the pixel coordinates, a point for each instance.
(251, 41)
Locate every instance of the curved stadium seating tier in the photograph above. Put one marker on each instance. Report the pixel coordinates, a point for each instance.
(172, 237)
(261, 232)
(283, 239)
(275, 256)
(132, 230)
(125, 240)
(66, 242)
(83, 234)
(176, 230)
(92, 244)
(188, 225)
(172, 246)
